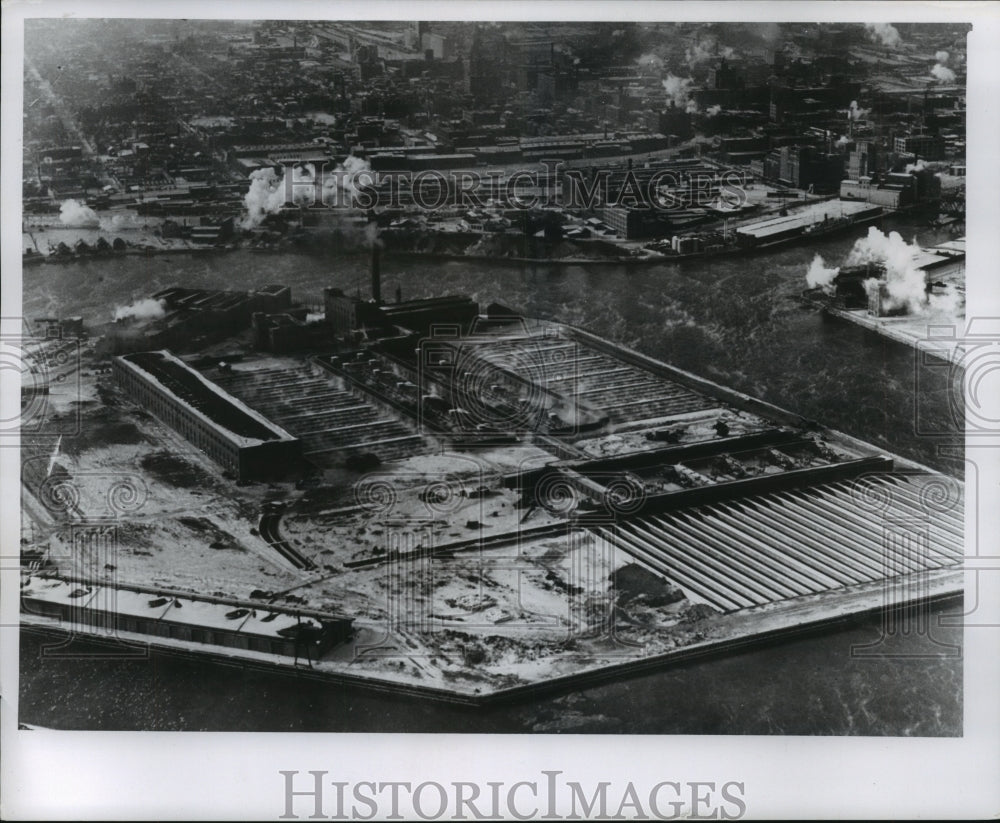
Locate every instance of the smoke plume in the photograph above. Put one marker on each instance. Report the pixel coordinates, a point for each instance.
(270, 191)
(679, 92)
(77, 214)
(948, 302)
(905, 284)
(711, 111)
(699, 52)
(883, 33)
(842, 141)
(941, 57)
(119, 221)
(819, 276)
(265, 196)
(323, 118)
(918, 166)
(855, 112)
(340, 187)
(148, 309)
(943, 73)
(705, 49)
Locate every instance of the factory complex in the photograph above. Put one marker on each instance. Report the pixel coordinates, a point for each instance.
(482, 488)
(514, 499)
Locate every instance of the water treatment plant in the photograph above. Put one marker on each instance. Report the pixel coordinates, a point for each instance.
(539, 409)
(486, 504)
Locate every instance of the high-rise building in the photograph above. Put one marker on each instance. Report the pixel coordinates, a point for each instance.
(862, 161)
(486, 64)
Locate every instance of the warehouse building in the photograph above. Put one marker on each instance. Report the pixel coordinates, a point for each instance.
(212, 621)
(236, 437)
(813, 220)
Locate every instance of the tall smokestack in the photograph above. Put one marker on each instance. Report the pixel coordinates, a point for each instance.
(376, 274)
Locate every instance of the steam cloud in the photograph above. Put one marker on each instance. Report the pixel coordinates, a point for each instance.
(883, 33)
(768, 32)
(679, 92)
(698, 53)
(270, 191)
(940, 70)
(854, 112)
(943, 73)
(819, 276)
(323, 117)
(79, 215)
(705, 49)
(711, 111)
(905, 284)
(948, 302)
(120, 221)
(148, 309)
(842, 141)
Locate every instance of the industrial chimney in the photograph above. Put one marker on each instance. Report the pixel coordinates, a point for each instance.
(376, 273)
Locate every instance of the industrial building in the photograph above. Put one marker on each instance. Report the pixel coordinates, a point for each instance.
(346, 314)
(239, 439)
(818, 218)
(632, 223)
(737, 502)
(193, 318)
(288, 331)
(208, 621)
(896, 190)
(804, 167)
(943, 267)
(926, 146)
(332, 422)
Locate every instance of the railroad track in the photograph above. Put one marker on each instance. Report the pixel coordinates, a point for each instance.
(268, 528)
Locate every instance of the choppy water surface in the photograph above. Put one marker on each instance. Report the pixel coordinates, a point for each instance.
(737, 321)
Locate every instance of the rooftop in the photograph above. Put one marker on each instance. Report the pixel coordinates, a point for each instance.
(205, 398)
(814, 213)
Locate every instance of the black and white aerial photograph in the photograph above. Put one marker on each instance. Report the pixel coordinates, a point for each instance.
(526, 377)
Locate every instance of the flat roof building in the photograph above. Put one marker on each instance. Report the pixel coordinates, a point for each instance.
(210, 621)
(815, 217)
(235, 436)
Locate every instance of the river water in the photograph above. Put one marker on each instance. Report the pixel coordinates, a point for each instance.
(738, 321)
(806, 686)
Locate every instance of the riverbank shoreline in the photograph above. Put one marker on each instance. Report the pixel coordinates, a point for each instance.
(941, 341)
(640, 255)
(723, 635)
